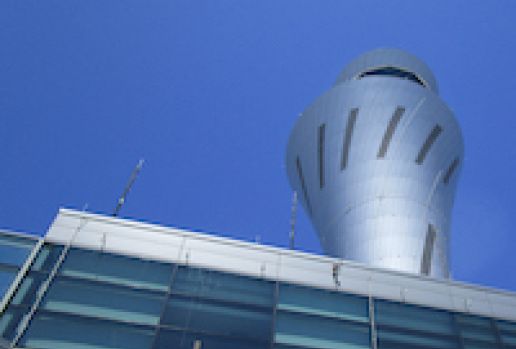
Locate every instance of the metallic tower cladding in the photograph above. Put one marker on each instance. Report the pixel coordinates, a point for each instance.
(375, 161)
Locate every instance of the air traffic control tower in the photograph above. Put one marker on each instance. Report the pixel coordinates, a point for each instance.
(375, 161)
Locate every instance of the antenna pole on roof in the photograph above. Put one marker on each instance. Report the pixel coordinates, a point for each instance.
(293, 214)
(128, 187)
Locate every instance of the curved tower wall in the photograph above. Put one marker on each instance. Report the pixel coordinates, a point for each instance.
(375, 161)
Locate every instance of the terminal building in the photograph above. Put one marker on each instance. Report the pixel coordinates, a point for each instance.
(375, 161)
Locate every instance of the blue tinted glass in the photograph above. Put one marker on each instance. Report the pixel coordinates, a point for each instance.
(52, 331)
(108, 302)
(15, 250)
(509, 338)
(406, 326)
(475, 344)
(413, 317)
(315, 332)
(466, 320)
(117, 269)
(507, 332)
(187, 340)
(218, 318)
(322, 303)
(6, 278)
(506, 326)
(478, 334)
(216, 285)
(47, 257)
(10, 320)
(20, 304)
(26, 292)
(476, 328)
(408, 340)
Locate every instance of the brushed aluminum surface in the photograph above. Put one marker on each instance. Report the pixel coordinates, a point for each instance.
(377, 209)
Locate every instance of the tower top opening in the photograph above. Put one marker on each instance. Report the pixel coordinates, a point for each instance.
(389, 62)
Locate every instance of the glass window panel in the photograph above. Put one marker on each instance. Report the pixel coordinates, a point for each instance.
(51, 331)
(471, 344)
(186, 340)
(413, 317)
(217, 285)
(402, 340)
(506, 326)
(473, 320)
(47, 257)
(15, 250)
(478, 333)
(509, 338)
(9, 321)
(322, 303)
(26, 292)
(9, 268)
(218, 318)
(507, 332)
(476, 328)
(315, 332)
(117, 269)
(84, 298)
(6, 279)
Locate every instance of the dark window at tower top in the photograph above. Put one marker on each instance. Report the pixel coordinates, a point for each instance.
(393, 72)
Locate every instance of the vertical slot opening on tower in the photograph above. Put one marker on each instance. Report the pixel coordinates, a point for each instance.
(436, 131)
(320, 152)
(428, 249)
(352, 118)
(303, 184)
(389, 132)
(450, 170)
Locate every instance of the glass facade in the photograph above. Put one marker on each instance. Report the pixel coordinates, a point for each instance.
(77, 298)
(14, 250)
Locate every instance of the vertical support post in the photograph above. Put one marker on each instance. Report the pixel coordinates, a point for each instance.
(293, 216)
(274, 312)
(168, 295)
(498, 336)
(372, 324)
(456, 329)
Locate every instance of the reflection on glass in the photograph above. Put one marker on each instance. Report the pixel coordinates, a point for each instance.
(323, 303)
(14, 250)
(168, 339)
(218, 318)
(53, 331)
(216, 285)
(117, 269)
(103, 301)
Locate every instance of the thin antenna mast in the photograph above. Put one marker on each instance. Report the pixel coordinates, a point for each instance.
(293, 215)
(128, 187)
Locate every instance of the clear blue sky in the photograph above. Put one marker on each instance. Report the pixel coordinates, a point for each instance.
(207, 92)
